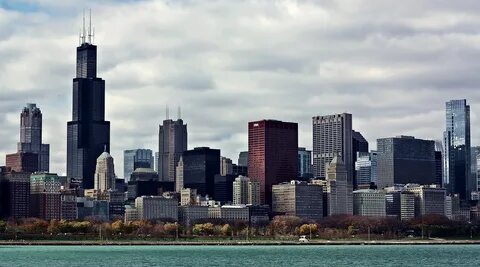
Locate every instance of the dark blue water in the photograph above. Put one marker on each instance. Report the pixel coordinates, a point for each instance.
(418, 255)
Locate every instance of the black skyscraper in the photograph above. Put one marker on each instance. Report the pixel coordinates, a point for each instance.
(88, 134)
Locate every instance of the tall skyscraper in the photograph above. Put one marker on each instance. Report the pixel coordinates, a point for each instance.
(31, 136)
(457, 148)
(104, 173)
(172, 142)
(136, 158)
(405, 159)
(332, 136)
(304, 163)
(272, 154)
(88, 134)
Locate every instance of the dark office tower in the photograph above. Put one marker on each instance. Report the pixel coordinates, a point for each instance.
(14, 194)
(22, 162)
(404, 159)
(243, 158)
(359, 144)
(457, 148)
(31, 136)
(439, 154)
(332, 136)
(88, 134)
(272, 154)
(200, 166)
(172, 142)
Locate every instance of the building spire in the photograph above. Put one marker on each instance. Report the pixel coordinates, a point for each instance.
(83, 29)
(90, 27)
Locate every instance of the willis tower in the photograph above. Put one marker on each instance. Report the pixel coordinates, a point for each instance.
(88, 134)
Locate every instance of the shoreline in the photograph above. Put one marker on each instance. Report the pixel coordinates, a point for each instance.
(233, 243)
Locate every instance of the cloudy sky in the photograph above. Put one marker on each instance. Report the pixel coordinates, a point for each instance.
(392, 64)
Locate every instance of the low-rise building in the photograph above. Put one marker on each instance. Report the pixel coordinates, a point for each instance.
(429, 199)
(156, 208)
(369, 202)
(233, 213)
(191, 214)
(298, 199)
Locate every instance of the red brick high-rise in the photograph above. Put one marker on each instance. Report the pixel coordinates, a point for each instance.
(272, 154)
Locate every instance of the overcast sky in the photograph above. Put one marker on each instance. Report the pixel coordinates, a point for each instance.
(392, 64)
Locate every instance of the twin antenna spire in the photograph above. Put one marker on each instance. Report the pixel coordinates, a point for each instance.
(167, 112)
(84, 37)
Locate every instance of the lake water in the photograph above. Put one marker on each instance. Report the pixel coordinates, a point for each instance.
(349, 255)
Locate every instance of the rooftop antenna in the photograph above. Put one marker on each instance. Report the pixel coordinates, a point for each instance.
(83, 32)
(90, 27)
(93, 35)
(167, 112)
(80, 37)
(179, 112)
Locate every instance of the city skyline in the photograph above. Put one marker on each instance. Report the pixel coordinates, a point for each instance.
(129, 98)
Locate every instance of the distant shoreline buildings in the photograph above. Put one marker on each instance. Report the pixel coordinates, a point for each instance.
(403, 178)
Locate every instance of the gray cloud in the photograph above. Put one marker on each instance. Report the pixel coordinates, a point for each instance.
(391, 64)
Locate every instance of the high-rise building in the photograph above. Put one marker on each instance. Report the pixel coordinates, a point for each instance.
(339, 190)
(457, 142)
(45, 196)
(359, 144)
(474, 166)
(22, 162)
(226, 166)
(223, 188)
(304, 163)
(200, 166)
(369, 202)
(298, 199)
(179, 176)
(172, 142)
(68, 205)
(246, 191)
(477, 172)
(88, 134)
(104, 173)
(14, 194)
(31, 136)
(366, 168)
(405, 159)
(439, 153)
(332, 136)
(136, 158)
(272, 154)
(243, 158)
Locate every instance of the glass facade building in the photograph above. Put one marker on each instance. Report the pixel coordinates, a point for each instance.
(136, 158)
(457, 170)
